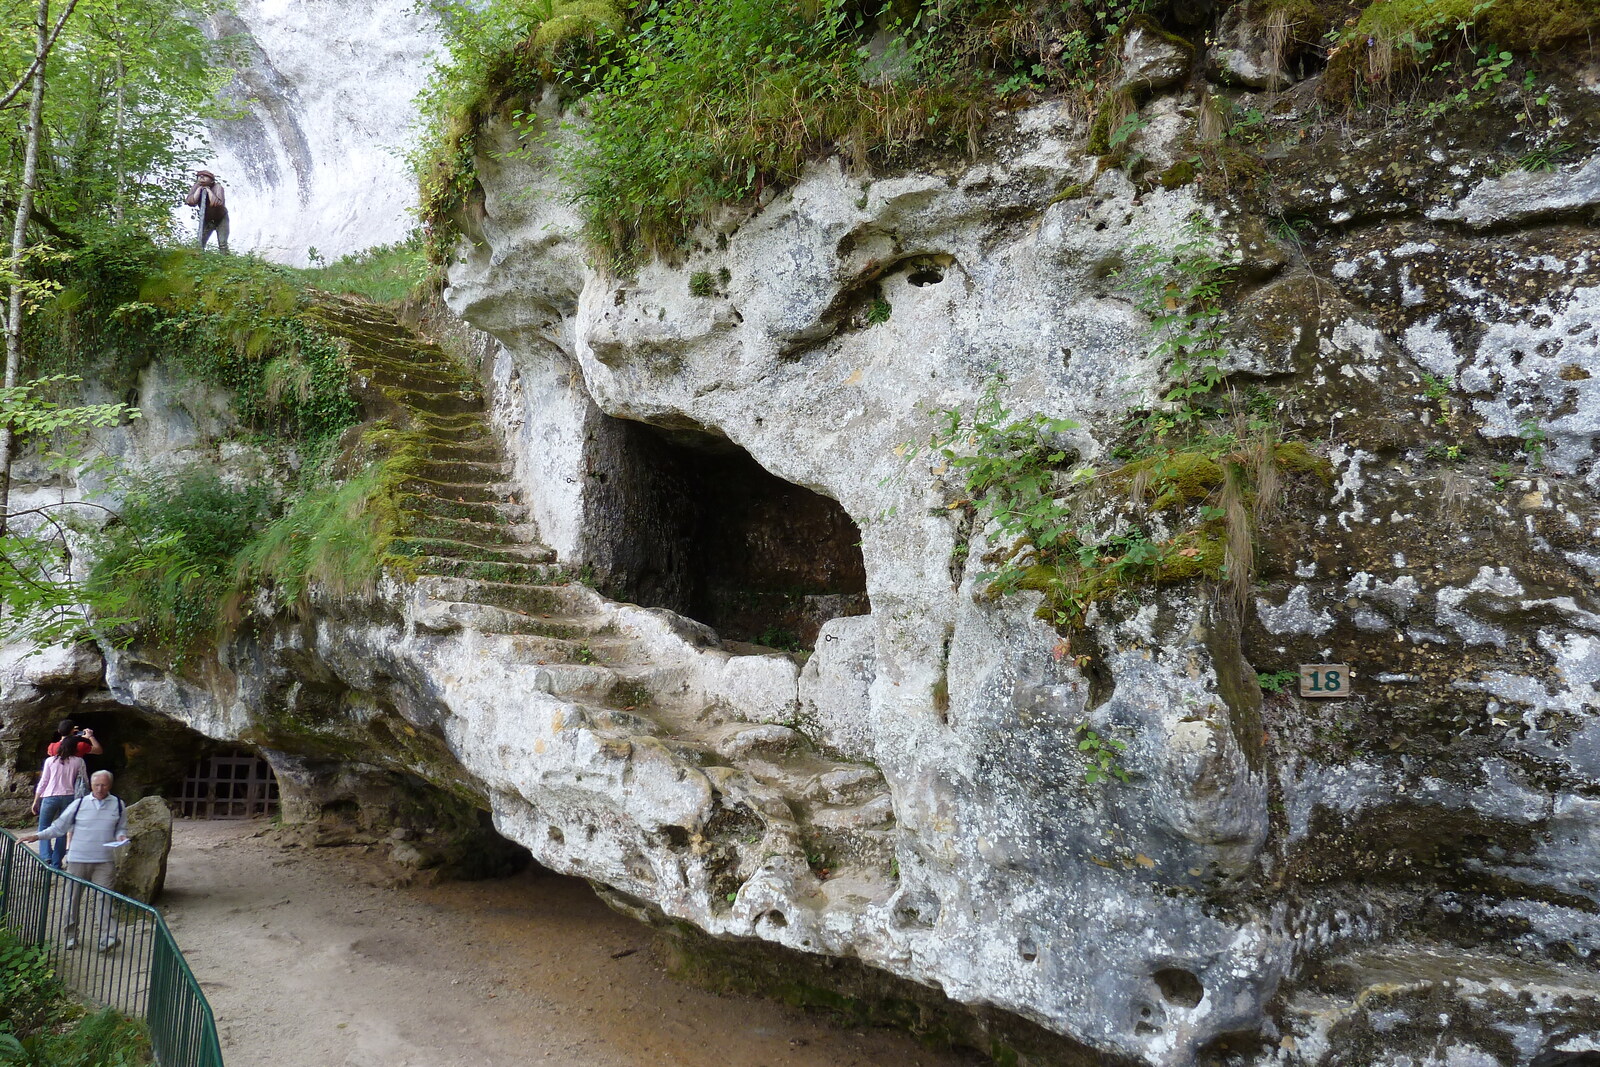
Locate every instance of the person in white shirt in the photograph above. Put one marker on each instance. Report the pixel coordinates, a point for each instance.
(98, 823)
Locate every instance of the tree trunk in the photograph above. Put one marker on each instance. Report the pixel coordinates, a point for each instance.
(19, 243)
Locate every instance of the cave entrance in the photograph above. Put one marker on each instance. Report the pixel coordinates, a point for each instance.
(693, 523)
(147, 754)
(232, 783)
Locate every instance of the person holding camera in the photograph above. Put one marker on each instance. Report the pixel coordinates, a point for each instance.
(208, 195)
(63, 779)
(78, 741)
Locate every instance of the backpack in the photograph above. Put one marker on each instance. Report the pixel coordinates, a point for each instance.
(77, 808)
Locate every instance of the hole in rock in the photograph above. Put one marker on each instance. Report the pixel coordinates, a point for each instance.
(690, 522)
(1179, 986)
(776, 918)
(1558, 1058)
(925, 276)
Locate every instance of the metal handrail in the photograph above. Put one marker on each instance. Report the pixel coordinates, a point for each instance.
(143, 975)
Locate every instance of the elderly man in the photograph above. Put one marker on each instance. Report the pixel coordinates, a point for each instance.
(98, 824)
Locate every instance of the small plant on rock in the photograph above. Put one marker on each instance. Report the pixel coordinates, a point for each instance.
(1102, 755)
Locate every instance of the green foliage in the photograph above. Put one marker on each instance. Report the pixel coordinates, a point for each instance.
(693, 106)
(1180, 287)
(878, 312)
(780, 637)
(1102, 756)
(702, 283)
(494, 52)
(191, 547)
(335, 536)
(1007, 468)
(130, 84)
(104, 1039)
(386, 274)
(1534, 441)
(31, 996)
(1276, 681)
(172, 554)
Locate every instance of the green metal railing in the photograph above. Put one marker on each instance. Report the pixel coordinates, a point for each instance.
(141, 975)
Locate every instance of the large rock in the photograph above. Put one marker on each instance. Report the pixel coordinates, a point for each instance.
(142, 865)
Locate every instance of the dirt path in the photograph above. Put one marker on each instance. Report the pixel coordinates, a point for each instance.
(308, 965)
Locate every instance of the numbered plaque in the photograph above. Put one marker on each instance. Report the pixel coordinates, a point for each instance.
(1324, 679)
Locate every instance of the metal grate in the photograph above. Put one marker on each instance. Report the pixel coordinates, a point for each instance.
(229, 785)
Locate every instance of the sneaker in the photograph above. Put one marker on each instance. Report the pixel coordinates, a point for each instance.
(72, 942)
(108, 943)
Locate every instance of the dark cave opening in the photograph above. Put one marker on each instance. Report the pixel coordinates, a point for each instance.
(147, 755)
(694, 524)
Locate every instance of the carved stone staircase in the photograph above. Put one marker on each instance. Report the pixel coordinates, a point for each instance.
(481, 567)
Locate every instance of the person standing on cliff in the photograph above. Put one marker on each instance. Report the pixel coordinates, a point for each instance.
(209, 196)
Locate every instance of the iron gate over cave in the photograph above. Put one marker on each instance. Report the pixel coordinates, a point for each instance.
(231, 784)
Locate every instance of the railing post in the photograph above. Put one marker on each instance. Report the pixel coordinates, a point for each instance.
(5, 877)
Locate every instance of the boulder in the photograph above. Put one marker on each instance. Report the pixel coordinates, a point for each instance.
(1152, 58)
(1245, 54)
(142, 866)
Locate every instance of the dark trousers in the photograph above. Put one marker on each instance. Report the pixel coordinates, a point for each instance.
(220, 228)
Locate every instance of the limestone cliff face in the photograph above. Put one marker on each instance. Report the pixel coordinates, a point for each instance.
(1331, 878)
(313, 156)
(1403, 876)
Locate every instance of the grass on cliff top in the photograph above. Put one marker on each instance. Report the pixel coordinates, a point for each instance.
(693, 106)
(384, 274)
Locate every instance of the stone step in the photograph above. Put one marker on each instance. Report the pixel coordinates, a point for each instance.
(461, 493)
(485, 450)
(487, 570)
(440, 403)
(584, 682)
(472, 511)
(422, 359)
(544, 600)
(445, 616)
(489, 535)
(453, 427)
(462, 471)
(421, 381)
(463, 550)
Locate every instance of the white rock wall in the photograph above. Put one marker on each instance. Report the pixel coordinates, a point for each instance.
(316, 158)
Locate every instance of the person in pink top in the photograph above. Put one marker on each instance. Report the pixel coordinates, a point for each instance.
(57, 789)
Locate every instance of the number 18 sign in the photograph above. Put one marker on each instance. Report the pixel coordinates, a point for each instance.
(1324, 679)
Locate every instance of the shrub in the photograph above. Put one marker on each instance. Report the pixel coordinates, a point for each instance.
(30, 993)
(698, 105)
(171, 555)
(336, 536)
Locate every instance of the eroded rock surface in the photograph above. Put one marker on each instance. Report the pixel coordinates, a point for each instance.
(1403, 876)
